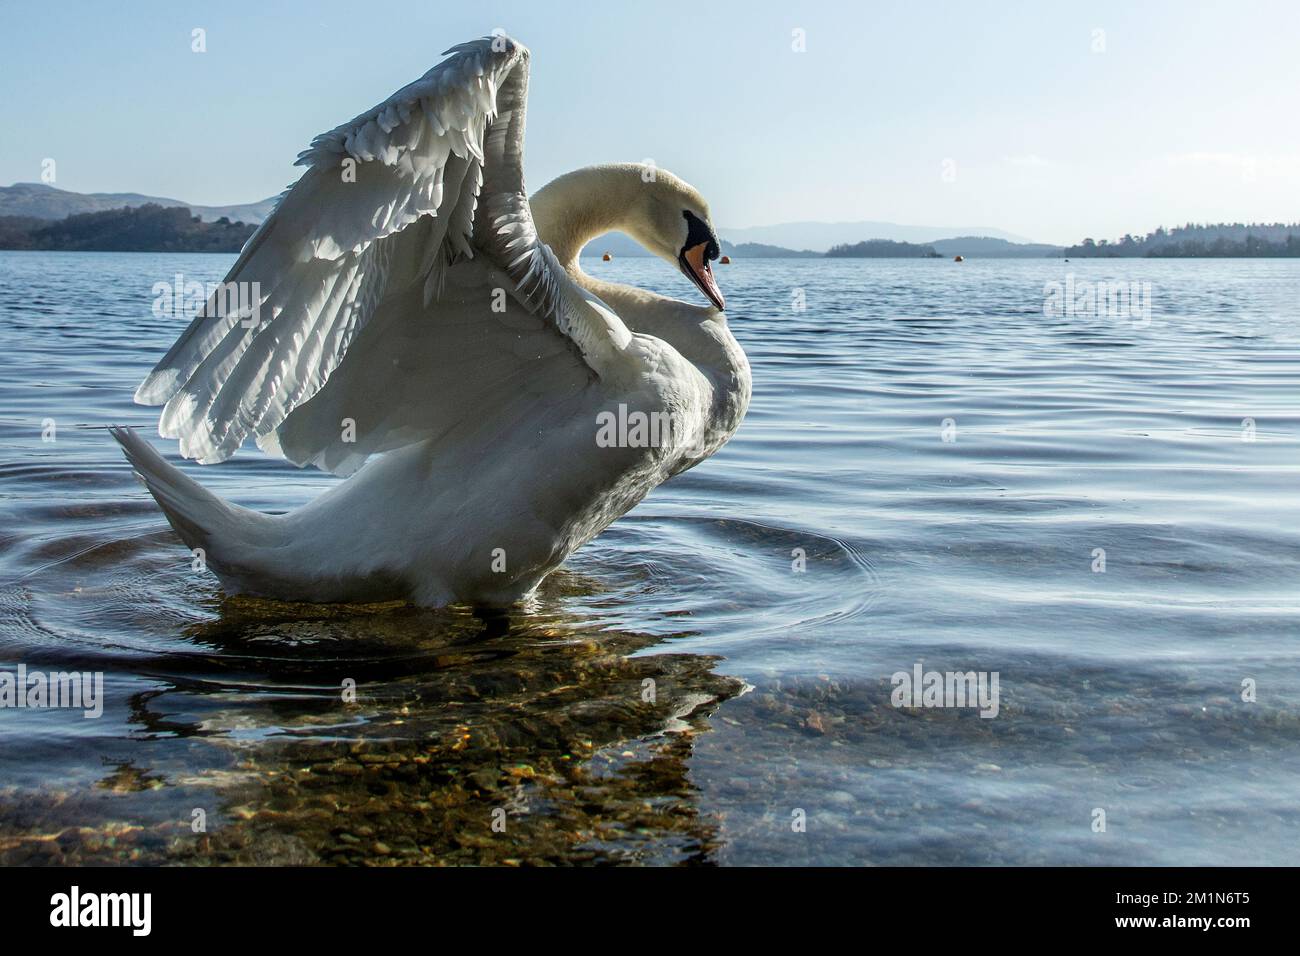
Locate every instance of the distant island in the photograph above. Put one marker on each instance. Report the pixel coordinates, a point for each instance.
(619, 245)
(988, 247)
(984, 247)
(761, 250)
(147, 228)
(882, 249)
(42, 201)
(1218, 240)
(35, 216)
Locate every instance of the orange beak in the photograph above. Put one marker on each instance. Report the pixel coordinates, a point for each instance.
(695, 265)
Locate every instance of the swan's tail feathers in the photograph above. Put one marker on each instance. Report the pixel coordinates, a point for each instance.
(202, 519)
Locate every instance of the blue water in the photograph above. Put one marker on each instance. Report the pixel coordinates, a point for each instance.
(928, 469)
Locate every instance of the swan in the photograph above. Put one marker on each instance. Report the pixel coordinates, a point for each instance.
(409, 319)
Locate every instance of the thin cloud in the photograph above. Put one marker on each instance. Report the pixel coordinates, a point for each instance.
(1032, 160)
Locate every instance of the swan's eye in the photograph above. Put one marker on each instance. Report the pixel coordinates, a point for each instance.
(701, 246)
(698, 233)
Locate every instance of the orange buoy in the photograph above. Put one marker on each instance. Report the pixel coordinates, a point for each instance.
(958, 259)
(606, 257)
(725, 260)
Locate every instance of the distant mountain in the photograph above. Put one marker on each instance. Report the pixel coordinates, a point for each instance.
(40, 201)
(1204, 240)
(759, 250)
(882, 249)
(617, 244)
(620, 245)
(820, 236)
(147, 228)
(782, 241)
(986, 247)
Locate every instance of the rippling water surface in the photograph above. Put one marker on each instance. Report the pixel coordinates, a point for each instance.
(927, 472)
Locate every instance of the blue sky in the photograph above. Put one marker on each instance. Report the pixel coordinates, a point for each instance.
(1014, 115)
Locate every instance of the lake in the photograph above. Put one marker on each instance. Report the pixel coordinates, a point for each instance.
(1086, 502)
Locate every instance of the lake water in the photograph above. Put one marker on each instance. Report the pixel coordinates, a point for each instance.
(1100, 508)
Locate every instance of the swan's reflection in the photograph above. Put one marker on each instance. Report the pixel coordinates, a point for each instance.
(399, 735)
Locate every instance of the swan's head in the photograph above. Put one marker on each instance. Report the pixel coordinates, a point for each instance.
(664, 214)
(674, 224)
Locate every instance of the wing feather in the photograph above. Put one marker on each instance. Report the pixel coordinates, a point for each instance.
(388, 201)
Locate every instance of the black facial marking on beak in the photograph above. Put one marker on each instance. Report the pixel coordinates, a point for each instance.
(700, 249)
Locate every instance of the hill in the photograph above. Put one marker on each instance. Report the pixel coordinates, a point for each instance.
(147, 228)
(40, 201)
(1211, 240)
(622, 246)
(882, 249)
(821, 236)
(987, 247)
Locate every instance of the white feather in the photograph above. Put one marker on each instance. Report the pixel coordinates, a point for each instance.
(404, 289)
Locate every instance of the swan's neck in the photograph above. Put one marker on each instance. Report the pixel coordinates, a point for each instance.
(584, 204)
(579, 206)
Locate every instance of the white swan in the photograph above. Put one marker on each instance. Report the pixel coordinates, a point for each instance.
(409, 301)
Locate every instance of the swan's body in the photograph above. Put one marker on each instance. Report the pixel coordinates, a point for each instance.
(424, 311)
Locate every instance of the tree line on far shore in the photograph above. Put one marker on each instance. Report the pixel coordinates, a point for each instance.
(882, 249)
(1207, 240)
(147, 228)
(155, 228)
(1211, 240)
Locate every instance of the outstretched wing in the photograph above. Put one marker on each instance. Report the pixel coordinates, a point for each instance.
(431, 176)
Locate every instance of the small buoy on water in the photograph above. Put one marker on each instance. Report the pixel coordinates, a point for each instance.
(606, 257)
(958, 258)
(725, 260)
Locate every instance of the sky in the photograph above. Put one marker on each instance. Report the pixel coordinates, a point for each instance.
(1051, 120)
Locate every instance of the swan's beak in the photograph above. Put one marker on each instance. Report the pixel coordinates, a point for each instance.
(695, 264)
